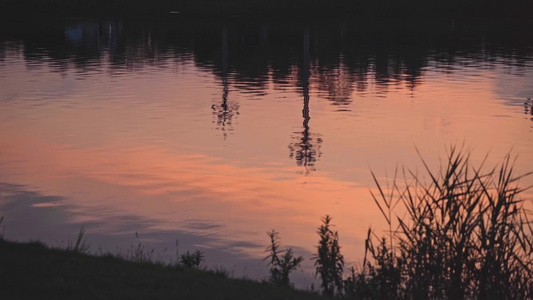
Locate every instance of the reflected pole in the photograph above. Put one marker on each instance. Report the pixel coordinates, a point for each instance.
(303, 150)
(307, 154)
(225, 69)
(224, 113)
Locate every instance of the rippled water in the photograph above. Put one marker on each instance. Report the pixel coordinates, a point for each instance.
(216, 132)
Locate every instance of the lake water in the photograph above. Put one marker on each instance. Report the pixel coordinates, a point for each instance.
(215, 132)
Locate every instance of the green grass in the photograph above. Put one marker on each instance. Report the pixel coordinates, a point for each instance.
(35, 271)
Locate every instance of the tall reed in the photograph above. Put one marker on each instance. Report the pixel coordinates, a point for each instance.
(81, 245)
(465, 234)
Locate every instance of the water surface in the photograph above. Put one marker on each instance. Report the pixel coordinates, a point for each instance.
(216, 132)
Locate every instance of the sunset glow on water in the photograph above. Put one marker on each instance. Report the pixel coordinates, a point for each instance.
(175, 134)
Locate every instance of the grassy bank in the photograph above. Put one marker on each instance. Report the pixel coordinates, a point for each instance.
(34, 271)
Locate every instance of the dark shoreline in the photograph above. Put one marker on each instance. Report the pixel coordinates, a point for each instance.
(35, 271)
(300, 9)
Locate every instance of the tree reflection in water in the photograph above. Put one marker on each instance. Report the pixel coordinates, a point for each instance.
(304, 149)
(225, 112)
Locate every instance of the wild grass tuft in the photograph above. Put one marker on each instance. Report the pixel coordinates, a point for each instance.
(465, 234)
(189, 260)
(222, 272)
(192, 260)
(3, 229)
(281, 262)
(81, 245)
(329, 261)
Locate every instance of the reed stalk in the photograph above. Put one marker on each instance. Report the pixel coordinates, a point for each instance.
(464, 234)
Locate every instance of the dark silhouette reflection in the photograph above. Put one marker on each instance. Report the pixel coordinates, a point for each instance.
(100, 36)
(337, 85)
(224, 113)
(528, 107)
(334, 79)
(350, 58)
(358, 57)
(304, 149)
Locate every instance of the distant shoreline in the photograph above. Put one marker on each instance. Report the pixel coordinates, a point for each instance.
(488, 9)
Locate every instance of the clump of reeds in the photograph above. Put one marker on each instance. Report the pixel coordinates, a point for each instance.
(222, 272)
(192, 260)
(189, 260)
(329, 261)
(281, 262)
(465, 235)
(81, 245)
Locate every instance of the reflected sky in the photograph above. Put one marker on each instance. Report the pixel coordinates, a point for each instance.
(214, 134)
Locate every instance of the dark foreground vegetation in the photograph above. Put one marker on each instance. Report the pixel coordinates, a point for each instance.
(293, 8)
(34, 271)
(461, 232)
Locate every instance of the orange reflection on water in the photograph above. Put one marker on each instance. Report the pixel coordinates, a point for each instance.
(107, 173)
(155, 183)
